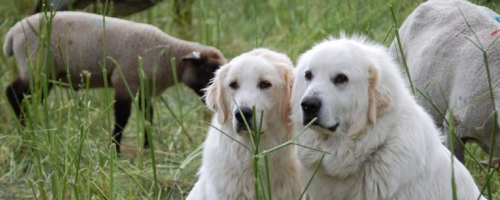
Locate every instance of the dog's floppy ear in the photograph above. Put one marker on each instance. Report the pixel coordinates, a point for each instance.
(216, 97)
(286, 109)
(379, 101)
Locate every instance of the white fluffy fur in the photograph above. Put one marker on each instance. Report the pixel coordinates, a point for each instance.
(227, 170)
(386, 146)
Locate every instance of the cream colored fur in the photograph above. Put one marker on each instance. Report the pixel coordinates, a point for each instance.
(227, 170)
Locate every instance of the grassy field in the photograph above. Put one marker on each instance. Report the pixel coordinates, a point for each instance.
(64, 151)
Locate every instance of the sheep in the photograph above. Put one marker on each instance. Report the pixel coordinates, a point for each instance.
(441, 41)
(77, 43)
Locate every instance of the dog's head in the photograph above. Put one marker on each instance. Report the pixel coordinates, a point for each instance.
(338, 82)
(253, 87)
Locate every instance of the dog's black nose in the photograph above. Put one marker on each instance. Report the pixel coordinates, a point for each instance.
(311, 105)
(247, 114)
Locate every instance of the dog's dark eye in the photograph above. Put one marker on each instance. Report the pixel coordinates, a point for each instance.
(234, 85)
(339, 79)
(264, 85)
(308, 75)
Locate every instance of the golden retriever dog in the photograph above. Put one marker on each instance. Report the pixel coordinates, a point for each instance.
(380, 143)
(261, 81)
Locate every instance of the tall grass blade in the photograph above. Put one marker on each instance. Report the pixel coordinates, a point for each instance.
(312, 176)
(400, 47)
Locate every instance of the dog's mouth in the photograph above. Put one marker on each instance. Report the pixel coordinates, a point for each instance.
(332, 129)
(242, 128)
(316, 124)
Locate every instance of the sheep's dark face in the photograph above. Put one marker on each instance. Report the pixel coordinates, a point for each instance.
(199, 68)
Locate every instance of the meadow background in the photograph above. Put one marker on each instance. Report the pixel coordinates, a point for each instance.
(64, 152)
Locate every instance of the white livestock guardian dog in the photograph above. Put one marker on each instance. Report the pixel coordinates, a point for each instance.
(380, 143)
(262, 79)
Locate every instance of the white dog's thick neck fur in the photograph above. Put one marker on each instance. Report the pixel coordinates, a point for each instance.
(386, 146)
(227, 169)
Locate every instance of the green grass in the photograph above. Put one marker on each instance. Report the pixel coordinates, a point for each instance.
(64, 150)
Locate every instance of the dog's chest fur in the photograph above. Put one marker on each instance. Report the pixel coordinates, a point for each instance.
(228, 169)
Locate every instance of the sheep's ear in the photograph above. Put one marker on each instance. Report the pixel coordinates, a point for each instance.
(286, 109)
(216, 97)
(379, 101)
(193, 56)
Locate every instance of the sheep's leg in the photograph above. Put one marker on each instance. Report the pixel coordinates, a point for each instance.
(15, 94)
(460, 149)
(122, 113)
(148, 115)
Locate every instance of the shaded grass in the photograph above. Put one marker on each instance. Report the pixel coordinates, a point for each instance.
(65, 152)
